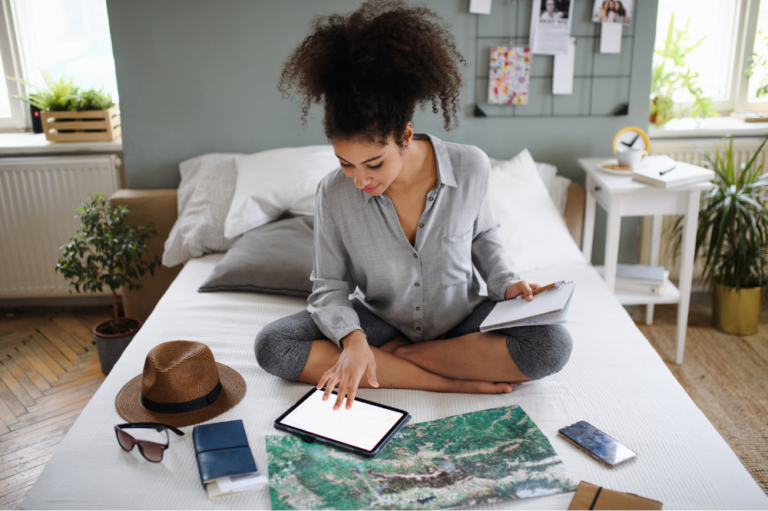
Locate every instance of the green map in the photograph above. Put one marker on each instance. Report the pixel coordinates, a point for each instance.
(474, 458)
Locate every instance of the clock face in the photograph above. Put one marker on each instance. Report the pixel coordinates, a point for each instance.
(631, 137)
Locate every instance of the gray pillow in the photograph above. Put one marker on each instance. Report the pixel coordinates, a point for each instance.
(205, 193)
(275, 258)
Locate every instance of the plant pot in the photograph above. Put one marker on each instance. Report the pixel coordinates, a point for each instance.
(111, 346)
(653, 115)
(85, 126)
(736, 312)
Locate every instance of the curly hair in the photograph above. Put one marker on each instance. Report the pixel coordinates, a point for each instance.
(371, 68)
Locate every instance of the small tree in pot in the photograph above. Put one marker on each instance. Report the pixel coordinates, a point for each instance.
(732, 236)
(107, 251)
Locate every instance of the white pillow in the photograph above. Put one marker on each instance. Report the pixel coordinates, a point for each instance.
(205, 193)
(532, 229)
(272, 182)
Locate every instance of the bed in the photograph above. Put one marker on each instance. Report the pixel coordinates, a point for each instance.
(614, 379)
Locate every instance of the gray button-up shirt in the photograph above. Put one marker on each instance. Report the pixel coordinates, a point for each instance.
(424, 289)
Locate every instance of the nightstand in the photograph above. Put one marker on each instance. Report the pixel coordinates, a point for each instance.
(621, 196)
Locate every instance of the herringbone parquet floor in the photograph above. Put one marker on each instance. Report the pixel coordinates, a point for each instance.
(49, 370)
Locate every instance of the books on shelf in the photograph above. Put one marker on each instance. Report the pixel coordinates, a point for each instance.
(664, 172)
(639, 278)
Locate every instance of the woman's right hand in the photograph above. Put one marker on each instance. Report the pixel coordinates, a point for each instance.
(356, 358)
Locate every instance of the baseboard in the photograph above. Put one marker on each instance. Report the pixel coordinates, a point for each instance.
(58, 301)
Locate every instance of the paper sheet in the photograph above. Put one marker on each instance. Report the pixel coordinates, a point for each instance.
(562, 77)
(610, 40)
(551, 27)
(480, 6)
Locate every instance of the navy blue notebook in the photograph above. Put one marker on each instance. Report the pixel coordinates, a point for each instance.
(224, 459)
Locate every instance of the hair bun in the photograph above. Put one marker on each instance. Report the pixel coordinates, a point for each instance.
(372, 67)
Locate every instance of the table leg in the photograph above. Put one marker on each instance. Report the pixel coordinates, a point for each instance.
(654, 257)
(613, 231)
(690, 221)
(589, 221)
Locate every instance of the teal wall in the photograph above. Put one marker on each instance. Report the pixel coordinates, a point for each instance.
(199, 76)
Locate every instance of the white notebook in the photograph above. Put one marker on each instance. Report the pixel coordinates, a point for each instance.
(664, 172)
(547, 308)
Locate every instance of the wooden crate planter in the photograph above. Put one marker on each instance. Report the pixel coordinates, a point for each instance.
(86, 126)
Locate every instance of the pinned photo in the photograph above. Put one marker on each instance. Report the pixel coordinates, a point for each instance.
(612, 11)
(554, 9)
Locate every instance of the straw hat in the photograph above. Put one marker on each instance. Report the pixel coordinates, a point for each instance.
(181, 385)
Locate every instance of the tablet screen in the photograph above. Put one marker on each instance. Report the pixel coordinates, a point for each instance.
(364, 426)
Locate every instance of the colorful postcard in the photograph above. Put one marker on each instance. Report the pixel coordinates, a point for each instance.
(474, 458)
(508, 76)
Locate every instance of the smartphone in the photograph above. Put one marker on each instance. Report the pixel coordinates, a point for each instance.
(597, 444)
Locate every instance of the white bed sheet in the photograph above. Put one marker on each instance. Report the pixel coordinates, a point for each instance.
(615, 380)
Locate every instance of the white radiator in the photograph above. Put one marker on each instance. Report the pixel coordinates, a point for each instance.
(689, 151)
(38, 197)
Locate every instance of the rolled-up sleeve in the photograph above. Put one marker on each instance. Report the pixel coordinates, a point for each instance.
(488, 254)
(329, 302)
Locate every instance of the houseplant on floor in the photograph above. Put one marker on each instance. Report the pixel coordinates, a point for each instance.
(107, 251)
(732, 236)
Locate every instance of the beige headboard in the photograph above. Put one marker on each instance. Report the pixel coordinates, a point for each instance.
(160, 207)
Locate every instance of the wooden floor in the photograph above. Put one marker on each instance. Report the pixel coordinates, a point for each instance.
(49, 370)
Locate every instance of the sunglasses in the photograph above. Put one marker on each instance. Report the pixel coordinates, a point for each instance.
(152, 451)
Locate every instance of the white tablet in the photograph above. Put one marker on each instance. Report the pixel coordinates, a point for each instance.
(364, 429)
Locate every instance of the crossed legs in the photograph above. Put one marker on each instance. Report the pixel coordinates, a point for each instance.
(466, 361)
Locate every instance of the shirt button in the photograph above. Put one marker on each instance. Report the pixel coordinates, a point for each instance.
(418, 328)
(418, 308)
(415, 256)
(431, 198)
(421, 225)
(417, 284)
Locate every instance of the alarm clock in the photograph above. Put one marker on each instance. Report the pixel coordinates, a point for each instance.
(631, 137)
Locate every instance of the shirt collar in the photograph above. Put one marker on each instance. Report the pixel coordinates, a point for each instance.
(445, 174)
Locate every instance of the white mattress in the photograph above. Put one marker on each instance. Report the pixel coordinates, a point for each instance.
(615, 380)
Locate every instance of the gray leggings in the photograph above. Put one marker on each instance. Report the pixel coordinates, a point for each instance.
(282, 347)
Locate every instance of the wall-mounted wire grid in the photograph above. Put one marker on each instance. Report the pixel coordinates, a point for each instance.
(602, 82)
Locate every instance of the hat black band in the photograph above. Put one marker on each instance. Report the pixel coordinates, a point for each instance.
(186, 406)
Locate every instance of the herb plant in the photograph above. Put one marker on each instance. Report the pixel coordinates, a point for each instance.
(732, 233)
(671, 74)
(106, 251)
(62, 94)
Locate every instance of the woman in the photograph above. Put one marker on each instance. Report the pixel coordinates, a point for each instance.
(400, 224)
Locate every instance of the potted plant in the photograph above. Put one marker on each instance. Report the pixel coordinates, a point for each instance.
(91, 112)
(107, 251)
(732, 235)
(672, 74)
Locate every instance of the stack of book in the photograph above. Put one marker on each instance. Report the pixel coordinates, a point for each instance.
(641, 278)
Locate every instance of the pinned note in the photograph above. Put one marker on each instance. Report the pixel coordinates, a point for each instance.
(610, 38)
(562, 76)
(480, 6)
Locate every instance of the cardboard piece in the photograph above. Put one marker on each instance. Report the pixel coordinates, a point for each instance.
(609, 499)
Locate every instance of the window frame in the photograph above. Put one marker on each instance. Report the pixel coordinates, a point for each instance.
(744, 34)
(21, 118)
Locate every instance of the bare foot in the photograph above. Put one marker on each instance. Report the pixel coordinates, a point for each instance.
(395, 343)
(484, 387)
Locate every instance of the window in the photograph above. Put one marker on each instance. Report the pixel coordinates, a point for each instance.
(731, 31)
(58, 36)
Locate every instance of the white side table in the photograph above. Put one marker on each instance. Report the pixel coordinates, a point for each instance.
(621, 196)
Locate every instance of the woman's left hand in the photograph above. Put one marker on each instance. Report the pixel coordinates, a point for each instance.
(520, 288)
